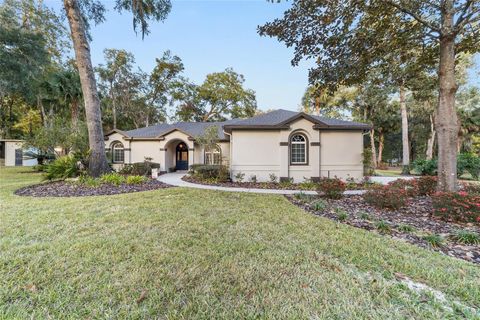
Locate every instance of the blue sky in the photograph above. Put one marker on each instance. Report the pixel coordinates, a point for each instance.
(210, 36)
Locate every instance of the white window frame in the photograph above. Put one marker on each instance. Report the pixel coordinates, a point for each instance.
(118, 146)
(305, 150)
(217, 151)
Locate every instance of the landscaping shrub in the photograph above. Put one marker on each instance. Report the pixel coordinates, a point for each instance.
(434, 240)
(239, 177)
(140, 168)
(253, 178)
(136, 179)
(425, 167)
(62, 168)
(471, 188)
(273, 177)
(112, 178)
(457, 206)
(210, 172)
(333, 188)
(466, 237)
(382, 226)
(386, 197)
(468, 162)
(286, 183)
(307, 184)
(408, 185)
(88, 181)
(426, 185)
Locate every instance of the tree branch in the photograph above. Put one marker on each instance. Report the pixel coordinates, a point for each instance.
(414, 15)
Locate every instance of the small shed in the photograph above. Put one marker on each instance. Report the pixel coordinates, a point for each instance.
(12, 154)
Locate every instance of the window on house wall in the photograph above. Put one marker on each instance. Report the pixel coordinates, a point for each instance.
(298, 149)
(118, 153)
(213, 155)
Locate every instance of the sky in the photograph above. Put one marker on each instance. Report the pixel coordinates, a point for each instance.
(210, 36)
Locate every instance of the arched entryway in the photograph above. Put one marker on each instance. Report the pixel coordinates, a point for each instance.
(181, 156)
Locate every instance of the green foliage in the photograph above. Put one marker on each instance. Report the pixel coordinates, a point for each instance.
(425, 167)
(112, 178)
(273, 177)
(406, 228)
(140, 168)
(307, 184)
(382, 226)
(253, 178)
(434, 240)
(364, 215)
(466, 237)
(89, 181)
(135, 179)
(286, 183)
(342, 215)
(332, 188)
(302, 196)
(239, 177)
(62, 168)
(368, 168)
(214, 173)
(319, 205)
(468, 162)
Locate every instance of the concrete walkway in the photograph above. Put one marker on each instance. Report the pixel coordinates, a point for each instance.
(175, 179)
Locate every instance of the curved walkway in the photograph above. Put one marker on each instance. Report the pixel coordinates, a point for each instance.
(175, 179)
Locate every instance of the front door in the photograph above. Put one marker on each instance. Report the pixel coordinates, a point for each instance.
(181, 157)
(18, 157)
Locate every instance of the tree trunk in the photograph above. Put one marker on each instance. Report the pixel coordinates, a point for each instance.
(446, 116)
(114, 115)
(431, 139)
(74, 113)
(372, 146)
(405, 143)
(98, 160)
(381, 140)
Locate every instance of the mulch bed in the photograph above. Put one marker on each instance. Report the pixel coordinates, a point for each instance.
(268, 185)
(417, 215)
(72, 189)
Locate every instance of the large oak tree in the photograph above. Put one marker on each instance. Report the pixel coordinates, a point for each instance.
(339, 34)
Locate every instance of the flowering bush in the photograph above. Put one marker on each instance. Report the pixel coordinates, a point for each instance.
(426, 185)
(332, 188)
(457, 206)
(387, 197)
(409, 186)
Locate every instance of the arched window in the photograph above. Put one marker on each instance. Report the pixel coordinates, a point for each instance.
(213, 155)
(118, 153)
(298, 149)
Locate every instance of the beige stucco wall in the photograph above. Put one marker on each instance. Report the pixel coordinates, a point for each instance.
(330, 153)
(342, 154)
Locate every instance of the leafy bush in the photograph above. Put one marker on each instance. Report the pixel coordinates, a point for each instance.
(386, 197)
(89, 181)
(406, 228)
(425, 167)
(466, 237)
(62, 168)
(457, 206)
(426, 185)
(136, 179)
(364, 216)
(253, 178)
(342, 215)
(407, 185)
(140, 168)
(286, 183)
(471, 188)
(468, 162)
(319, 205)
(332, 188)
(210, 172)
(112, 178)
(307, 184)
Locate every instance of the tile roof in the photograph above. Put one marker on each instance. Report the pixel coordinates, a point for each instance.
(271, 119)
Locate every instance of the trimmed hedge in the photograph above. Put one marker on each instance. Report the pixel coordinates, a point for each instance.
(210, 172)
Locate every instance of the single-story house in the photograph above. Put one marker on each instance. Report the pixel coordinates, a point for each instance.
(287, 144)
(12, 153)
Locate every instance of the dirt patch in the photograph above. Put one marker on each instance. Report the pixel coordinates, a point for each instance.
(410, 223)
(73, 189)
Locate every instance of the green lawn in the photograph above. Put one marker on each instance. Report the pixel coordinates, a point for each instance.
(184, 253)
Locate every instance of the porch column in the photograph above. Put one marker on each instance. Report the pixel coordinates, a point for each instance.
(190, 157)
(163, 160)
(283, 160)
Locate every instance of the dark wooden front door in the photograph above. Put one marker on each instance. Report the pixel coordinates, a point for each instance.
(181, 158)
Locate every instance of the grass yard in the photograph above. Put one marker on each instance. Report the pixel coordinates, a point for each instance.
(185, 253)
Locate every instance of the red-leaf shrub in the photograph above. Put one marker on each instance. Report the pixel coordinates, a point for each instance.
(409, 186)
(332, 188)
(386, 197)
(426, 185)
(457, 206)
(471, 188)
